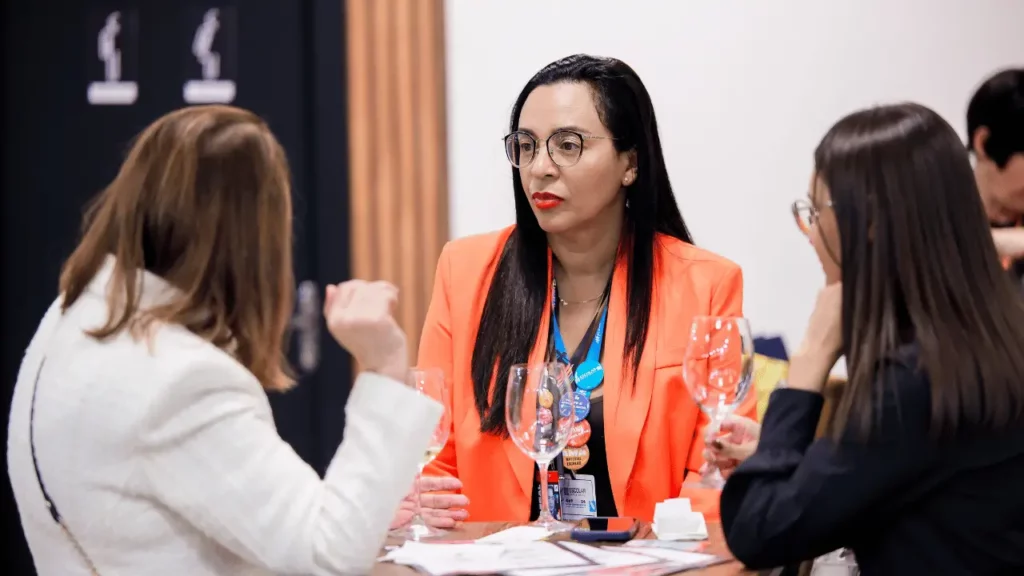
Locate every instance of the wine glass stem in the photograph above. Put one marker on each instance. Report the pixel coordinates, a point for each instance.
(417, 519)
(545, 512)
(713, 429)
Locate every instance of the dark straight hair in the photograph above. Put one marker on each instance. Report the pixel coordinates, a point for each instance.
(919, 266)
(517, 296)
(998, 105)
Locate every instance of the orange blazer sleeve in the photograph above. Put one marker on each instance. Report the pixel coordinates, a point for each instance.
(435, 351)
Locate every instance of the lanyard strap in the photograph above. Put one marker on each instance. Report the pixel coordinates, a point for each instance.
(594, 351)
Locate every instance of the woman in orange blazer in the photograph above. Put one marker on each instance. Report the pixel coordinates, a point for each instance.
(597, 231)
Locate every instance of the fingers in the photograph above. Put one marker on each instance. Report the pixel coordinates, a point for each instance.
(332, 291)
(434, 517)
(439, 483)
(740, 429)
(443, 501)
(736, 451)
(444, 518)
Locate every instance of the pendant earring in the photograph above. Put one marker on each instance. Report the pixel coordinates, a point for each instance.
(627, 203)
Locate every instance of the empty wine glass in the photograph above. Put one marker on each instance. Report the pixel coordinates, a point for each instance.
(428, 382)
(538, 424)
(717, 367)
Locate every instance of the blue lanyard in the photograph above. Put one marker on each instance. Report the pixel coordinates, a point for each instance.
(594, 352)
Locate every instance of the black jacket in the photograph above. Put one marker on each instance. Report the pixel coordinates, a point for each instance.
(904, 502)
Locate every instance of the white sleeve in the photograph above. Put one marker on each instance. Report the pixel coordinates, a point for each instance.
(213, 456)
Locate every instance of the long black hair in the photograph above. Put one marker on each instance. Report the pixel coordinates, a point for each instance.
(517, 295)
(919, 265)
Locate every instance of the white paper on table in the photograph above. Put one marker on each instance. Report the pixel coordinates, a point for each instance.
(609, 556)
(666, 544)
(441, 559)
(516, 534)
(412, 551)
(687, 559)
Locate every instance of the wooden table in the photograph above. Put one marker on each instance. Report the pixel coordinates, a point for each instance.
(715, 544)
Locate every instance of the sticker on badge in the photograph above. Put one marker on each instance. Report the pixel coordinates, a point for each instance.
(575, 458)
(578, 497)
(579, 434)
(589, 375)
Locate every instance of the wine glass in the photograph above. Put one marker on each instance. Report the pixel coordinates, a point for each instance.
(428, 382)
(717, 371)
(538, 424)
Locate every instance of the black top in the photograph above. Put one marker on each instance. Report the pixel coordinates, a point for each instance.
(905, 503)
(597, 465)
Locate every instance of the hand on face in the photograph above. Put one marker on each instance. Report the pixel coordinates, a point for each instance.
(823, 337)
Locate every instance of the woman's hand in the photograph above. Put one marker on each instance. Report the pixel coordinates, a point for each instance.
(359, 316)
(737, 442)
(439, 510)
(823, 342)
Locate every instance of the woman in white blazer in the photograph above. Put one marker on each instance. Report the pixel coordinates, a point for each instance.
(141, 440)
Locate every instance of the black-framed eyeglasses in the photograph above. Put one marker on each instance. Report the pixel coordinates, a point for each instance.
(806, 214)
(564, 147)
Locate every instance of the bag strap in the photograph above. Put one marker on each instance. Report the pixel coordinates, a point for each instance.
(50, 506)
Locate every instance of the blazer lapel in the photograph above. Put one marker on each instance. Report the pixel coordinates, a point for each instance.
(523, 465)
(626, 402)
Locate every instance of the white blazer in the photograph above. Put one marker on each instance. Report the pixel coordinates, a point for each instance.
(164, 459)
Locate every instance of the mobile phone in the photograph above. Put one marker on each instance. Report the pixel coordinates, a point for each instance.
(618, 529)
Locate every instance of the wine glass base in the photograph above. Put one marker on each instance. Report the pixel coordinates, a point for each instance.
(417, 532)
(552, 525)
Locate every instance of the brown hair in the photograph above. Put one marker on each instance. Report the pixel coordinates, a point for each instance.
(919, 266)
(203, 201)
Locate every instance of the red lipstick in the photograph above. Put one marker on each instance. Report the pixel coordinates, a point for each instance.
(545, 200)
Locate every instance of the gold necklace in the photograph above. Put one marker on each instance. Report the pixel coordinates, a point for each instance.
(564, 302)
(568, 303)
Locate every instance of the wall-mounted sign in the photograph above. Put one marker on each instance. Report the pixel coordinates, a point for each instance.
(114, 57)
(212, 64)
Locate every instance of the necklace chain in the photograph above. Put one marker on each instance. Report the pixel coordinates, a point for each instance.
(573, 302)
(565, 302)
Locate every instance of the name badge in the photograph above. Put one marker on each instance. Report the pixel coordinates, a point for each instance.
(579, 498)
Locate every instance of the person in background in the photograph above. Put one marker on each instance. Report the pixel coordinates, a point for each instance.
(995, 136)
(141, 440)
(920, 472)
(600, 269)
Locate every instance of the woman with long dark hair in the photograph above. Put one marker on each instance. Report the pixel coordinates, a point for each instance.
(921, 472)
(599, 242)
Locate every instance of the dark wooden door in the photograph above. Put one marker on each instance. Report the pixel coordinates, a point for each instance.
(286, 61)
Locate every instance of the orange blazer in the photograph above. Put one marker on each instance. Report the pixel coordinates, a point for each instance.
(653, 434)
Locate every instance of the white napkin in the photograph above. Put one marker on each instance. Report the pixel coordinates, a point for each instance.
(675, 520)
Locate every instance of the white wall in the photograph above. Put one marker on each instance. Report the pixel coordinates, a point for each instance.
(743, 91)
